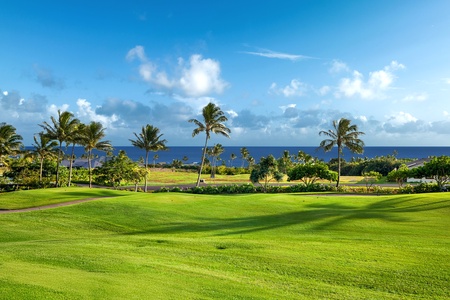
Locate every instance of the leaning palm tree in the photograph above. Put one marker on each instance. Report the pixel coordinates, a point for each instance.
(90, 138)
(342, 135)
(244, 155)
(10, 141)
(149, 139)
(215, 153)
(213, 119)
(44, 147)
(60, 129)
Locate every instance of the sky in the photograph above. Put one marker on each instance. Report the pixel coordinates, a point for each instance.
(281, 71)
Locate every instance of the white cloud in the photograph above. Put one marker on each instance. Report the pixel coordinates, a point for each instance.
(232, 113)
(272, 54)
(295, 88)
(85, 112)
(199, 77)
(401, 118)
(415, 98)
(377, 83)
(338, 66)
(324, 90)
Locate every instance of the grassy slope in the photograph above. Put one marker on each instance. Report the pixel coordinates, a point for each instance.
(180, 246)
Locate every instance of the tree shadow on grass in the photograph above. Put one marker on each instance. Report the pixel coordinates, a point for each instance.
(314, 216)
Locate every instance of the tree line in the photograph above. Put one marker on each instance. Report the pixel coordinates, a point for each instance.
(66, 130)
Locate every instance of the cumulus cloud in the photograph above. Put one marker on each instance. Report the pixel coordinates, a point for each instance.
(338, 66)
(46, 78)
(128, 111)
(201, 77)
(279, 55)
(87, 114)
(403, 122)
(295, 88)
(375, 86)
(197, 77)
(324, 90)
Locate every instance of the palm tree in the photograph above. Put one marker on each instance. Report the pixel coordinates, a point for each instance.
(342, 135)
(60, 129)
(10, 141)
(215, 152)
(232, 157)
(244, 155)
(44, 147)
(90, 138)
(155, 158)
(213, 119)
(74, 139)
(149, 139)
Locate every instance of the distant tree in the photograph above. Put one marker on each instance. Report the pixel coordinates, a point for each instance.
(213, 119)
(185, 159)
(399, 175)
(149, 139)
(10, 141)
(285, 161)
(244, 155)
(437, 168)
(342, 135)
(155, 158)
(91, 138)
(75, 138)
(310, 172)
(118, 169)
(265, 171)
(303, 157)
(60, 129)
(370, 178)
(44, 148)
(176, 164)
(215, 153)
(232, 157)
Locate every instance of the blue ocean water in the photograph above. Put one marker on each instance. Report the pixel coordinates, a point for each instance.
(194, 153)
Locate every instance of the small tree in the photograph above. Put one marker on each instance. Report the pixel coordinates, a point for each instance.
(309, 173)
(118, 169)
(370, 178)
(399, 175)
(266, 170)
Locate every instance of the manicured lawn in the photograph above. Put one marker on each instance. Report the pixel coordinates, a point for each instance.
(40, 197)
(183, 246)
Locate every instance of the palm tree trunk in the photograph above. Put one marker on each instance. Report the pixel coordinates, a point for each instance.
(40, 170)
(57, 164)
(339, 166)
(145, 177)
(203, 161)
(90, 169)
(70, 165)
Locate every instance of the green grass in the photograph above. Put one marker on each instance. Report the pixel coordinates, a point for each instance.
(184, 246)
(40, 197)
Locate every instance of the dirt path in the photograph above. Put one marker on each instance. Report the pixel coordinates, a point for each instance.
(9, 211)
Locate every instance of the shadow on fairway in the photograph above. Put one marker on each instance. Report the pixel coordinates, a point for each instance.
(315, 216)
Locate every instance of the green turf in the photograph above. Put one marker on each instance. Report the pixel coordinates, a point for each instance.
(183, 246)
(40, 197)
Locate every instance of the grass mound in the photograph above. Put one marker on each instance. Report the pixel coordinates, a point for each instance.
(184, 246)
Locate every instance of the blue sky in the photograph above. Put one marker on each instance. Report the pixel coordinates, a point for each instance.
(280, 70)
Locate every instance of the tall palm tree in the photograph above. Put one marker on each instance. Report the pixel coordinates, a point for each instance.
(76, 138)
(44, 147)
(91, 139)
(215, 152)
(232, 157)
(149, 139)
(213, 119)
(342, 135)
(244, 155)
(60, 129)
(10, 141)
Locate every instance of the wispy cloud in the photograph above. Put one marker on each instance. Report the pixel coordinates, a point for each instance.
(273, 54)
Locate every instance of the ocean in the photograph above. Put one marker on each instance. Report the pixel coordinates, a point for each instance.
(194, 153)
